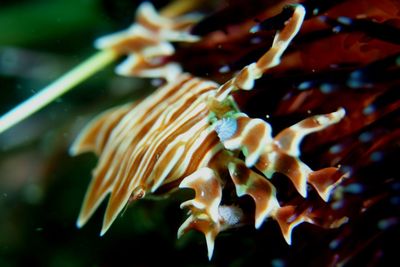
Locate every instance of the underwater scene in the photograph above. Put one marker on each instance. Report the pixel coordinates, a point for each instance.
(199, 132)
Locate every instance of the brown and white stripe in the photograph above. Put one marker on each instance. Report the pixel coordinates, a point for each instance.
(148, 41)
(280, 154)
(160, 140)
(180, 137)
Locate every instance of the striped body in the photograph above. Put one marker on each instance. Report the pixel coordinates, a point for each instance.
(157, 142)
(189, 134)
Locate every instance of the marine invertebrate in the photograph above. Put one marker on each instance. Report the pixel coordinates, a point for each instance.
(346, 55)
(191, 134)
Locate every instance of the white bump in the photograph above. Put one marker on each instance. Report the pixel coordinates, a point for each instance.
(226, 128)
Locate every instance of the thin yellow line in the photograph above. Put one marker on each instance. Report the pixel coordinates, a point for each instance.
(77, 75)
(57, 88)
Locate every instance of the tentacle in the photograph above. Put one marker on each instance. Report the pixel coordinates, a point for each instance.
(208, 192)
(247, 76)
(95, 135)
(156, 156)
(119, 134)
(147, 41)
(204, 207)
(94, 138)
(279, 154)
(97, 191)
(277, 161)
(176, 29)
(289, 139)
(136, 65)
(247, 182)
(203, 224)
(288, 218)
(150, 28)
(325, 180)
(282, 40)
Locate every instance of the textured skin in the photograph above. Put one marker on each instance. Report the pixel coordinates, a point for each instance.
(189, 134)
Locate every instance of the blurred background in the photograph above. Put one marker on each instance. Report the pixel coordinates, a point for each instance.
(356, 66)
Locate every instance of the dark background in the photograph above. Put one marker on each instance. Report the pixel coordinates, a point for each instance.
(42, 186)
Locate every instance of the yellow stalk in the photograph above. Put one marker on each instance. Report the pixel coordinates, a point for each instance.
(78, 74)
(57, 88)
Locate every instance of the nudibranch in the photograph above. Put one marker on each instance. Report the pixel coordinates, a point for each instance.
(191, 134)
